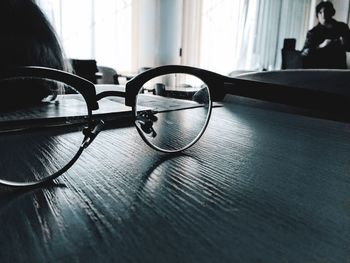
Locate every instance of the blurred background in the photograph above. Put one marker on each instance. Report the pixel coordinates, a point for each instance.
(219, 35)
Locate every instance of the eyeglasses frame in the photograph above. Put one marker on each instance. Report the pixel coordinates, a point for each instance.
(217, 84)
(88, 91)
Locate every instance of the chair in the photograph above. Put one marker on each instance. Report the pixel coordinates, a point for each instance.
(291, 58)
(108, 75)
(85, 68)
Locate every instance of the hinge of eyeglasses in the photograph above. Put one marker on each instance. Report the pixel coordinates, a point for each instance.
(91, 133)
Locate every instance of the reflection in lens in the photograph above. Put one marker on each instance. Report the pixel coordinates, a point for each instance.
(41, 126)
(172, 111)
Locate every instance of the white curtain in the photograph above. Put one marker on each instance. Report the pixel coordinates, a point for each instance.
(249, 34)
(191, 32)
(226, 32)
(94, 29)
(277, 20)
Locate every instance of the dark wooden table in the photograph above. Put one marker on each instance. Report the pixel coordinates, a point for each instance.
(265, 183)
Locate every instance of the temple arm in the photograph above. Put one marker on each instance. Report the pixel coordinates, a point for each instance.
(322, 89)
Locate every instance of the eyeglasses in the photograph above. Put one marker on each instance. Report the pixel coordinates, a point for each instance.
(48, 117)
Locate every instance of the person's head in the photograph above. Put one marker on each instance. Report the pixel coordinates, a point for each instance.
(27, 37)
(324, 12)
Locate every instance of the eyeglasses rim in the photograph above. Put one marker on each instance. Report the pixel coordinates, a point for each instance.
(88, 91)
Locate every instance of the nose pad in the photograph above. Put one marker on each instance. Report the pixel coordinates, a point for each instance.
(91, 133)
(145, 119)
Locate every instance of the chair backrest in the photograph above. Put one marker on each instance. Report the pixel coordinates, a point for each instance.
(108, 75)
(86, 68)
(291, 58)
(289, 43)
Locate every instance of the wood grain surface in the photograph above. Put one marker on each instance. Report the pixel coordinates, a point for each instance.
(262, 185)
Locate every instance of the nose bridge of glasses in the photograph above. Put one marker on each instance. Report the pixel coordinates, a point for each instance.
(110, 93)
(212, 80)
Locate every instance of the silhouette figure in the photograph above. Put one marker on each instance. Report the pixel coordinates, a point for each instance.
(326, 44)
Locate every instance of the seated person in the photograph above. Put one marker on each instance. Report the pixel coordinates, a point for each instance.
(326, 44)
(27, 40)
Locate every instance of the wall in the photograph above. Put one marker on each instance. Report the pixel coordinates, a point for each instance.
(146, 26)
(158, 32)
(169, 32)
(342, 10)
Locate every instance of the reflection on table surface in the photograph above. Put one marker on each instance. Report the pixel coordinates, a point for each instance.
(262, 185)
(65, 106)
(71, 106)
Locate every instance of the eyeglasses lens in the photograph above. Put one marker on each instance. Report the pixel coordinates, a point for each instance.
(172, 111)
(41, 124)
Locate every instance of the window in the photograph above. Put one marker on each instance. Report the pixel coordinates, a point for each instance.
(94, 29)
(227, 34)
(248, 34)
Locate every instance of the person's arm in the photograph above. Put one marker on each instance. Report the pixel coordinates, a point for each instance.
(345, 37)
(309, 45)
